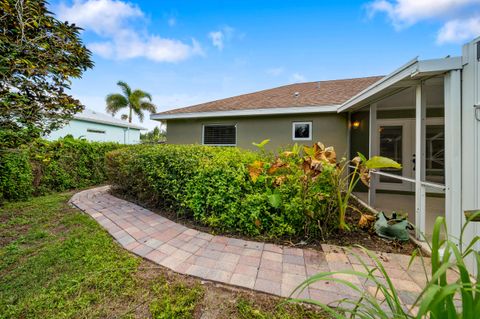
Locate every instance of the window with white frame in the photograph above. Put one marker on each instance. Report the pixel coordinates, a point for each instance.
(302, 131)
(220, 134)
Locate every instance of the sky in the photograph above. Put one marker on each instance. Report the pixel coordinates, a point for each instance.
(189, 52)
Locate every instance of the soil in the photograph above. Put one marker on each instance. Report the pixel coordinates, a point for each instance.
(355, 236)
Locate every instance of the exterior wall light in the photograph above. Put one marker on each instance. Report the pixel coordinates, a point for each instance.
(355, 124)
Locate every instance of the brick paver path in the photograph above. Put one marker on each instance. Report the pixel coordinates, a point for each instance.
(260, 266)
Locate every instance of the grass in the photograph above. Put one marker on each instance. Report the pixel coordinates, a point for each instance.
(56, 262)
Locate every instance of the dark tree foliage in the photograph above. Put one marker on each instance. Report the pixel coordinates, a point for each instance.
(153, 137)
(39, 55)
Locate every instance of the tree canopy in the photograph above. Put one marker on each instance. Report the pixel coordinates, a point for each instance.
(154, 136)
(39, 55)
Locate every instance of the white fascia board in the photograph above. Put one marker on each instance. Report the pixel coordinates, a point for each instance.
(126, 125)
(438, 65)
(397, 75)
(412, 69)
(252, 112)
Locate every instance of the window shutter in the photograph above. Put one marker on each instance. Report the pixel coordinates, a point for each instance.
(219, 135)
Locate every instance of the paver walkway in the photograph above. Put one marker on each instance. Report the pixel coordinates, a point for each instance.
(260, 266)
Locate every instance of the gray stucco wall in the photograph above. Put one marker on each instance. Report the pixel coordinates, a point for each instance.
(328, 128)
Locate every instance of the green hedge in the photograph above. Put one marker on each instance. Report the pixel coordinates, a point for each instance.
(212, 186)
(45, 167)
(16, 176)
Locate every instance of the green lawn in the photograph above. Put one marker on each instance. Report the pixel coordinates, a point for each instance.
(56, 262)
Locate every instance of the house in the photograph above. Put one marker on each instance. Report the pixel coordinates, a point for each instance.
(425, 115)
(297, 113)
(99, 127)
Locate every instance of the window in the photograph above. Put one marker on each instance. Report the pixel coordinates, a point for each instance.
(435, 154)
(220, 135)
(391, 146)
(91, 130)
(302, 131)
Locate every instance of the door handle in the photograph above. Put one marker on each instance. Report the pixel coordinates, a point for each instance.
(413, 161)
(477, 111)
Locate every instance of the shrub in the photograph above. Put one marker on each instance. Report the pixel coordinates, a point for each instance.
(68, 164)
(15, 175)
(254, 193)
(214, 187)
(45, 167)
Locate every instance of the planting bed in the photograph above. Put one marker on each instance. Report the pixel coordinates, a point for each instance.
(356, 236)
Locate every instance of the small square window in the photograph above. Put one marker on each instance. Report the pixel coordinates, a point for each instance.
(302, 131)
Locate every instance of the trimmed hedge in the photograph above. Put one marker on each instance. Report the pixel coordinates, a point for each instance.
(45, 167)
(213, 186)
(16, 177)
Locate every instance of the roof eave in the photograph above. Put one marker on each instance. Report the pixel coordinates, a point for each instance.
(412, 69)
(125, 125)
(250, 112)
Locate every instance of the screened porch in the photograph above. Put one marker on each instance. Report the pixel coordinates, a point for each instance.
(413, 117)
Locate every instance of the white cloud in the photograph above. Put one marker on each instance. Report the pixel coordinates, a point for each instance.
(100, 16)
(110, 19)
(275, 71)
(456, 31)
(219, 37)
(103, 49)
(460, 17)
(297, 77)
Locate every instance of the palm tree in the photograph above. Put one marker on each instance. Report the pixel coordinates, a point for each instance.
(136, 101)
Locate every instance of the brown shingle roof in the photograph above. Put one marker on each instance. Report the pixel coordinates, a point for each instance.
(319, 93)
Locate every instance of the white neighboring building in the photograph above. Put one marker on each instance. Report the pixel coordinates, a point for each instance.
(99, 127)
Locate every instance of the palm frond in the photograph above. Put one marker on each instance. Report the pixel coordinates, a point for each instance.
(147, 106)
(115, 102)
(139, 94)
(127, 91)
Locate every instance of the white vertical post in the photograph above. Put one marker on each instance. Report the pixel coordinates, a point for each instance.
(372, 151)
(453, 153)
(420, 196)
(470, 143)
(349, 135)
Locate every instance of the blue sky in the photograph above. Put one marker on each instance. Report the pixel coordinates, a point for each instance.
(187, 52)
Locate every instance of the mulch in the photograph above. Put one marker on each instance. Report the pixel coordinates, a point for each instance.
(355, 236)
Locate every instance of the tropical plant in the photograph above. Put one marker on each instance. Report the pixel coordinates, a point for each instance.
(261, 145)
(39, 57)
(318, 162)
(296, 190)
(346, 180)
(136, 101)
(450, 291)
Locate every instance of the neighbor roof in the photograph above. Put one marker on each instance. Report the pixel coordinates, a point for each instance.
(89, 115)
(299, 95)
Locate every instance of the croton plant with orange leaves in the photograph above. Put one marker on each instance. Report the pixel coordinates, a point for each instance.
(320, 161)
